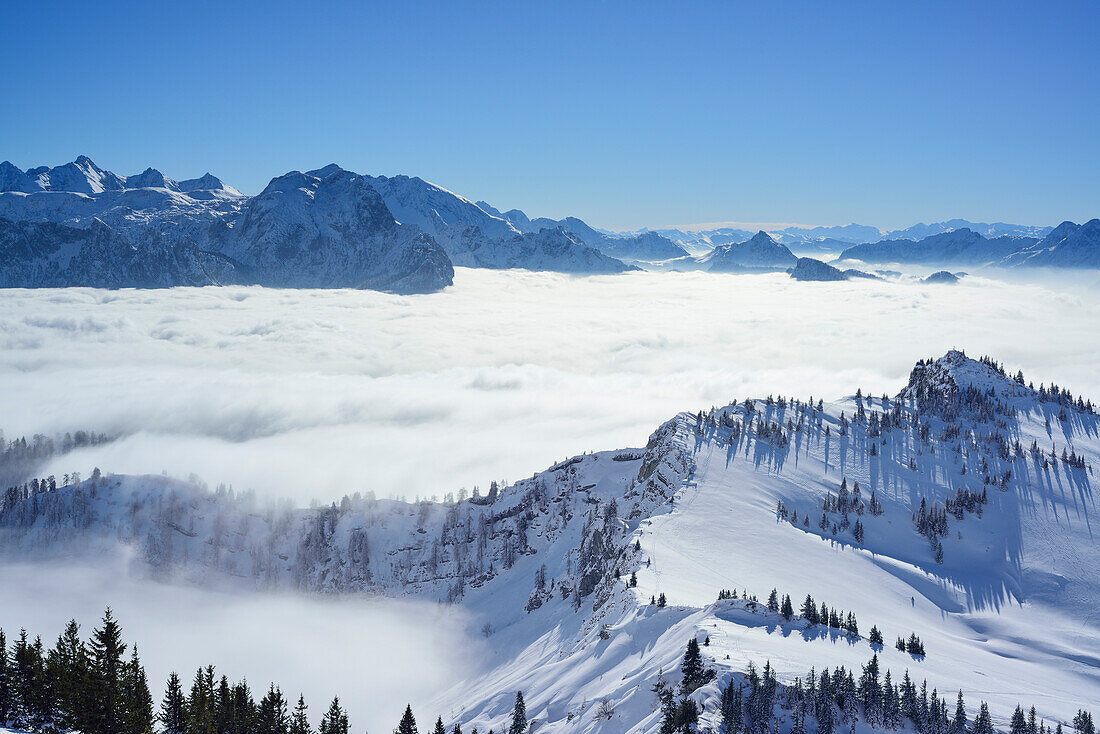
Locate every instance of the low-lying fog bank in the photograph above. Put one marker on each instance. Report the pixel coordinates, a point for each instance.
(317, 393)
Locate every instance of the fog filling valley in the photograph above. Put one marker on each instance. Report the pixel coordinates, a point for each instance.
(313, 394)
(375, 655)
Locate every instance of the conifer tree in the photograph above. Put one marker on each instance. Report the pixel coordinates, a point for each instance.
(825, 716)
(809, 610)
(692, 668)
(244, 708)
(69, 675)
(958, 722)
(225, 713)
(22, 670)
(335, 720)
(5, 680)
(669, 710)
(439, 728)
(407, 724)
(730, 708)
(786, 609)
(870, 692)
(271, 715)
(172, 718)
(891, 704)
(104, 704)
(983, 723)
(200, 704)
(137, 702)
(299, 720)
(1019, 724)
(688, 716)
(519, 715)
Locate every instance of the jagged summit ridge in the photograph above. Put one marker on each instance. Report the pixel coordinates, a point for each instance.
(406, 224)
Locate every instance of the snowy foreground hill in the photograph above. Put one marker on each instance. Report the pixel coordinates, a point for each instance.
(959, 513)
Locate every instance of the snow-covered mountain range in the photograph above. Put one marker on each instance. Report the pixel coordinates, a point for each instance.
(1067, 246)
(835, 239)
(959, 511)
(757, 254)
(645, 247)
(760, 252)
(79, 224)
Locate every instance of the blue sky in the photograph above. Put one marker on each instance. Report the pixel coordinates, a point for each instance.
(625, 114)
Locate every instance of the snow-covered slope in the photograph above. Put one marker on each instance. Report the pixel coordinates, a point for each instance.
(989, 230)
(1069, 245)
(307, 231)
(807, 268)
(548, 249)
(434, 209)
(960, 510)
(478, 235)
(47, 254)
(645, 247)
(957, 247)
(759, 253)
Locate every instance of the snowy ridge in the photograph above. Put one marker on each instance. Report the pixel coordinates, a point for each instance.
(960, 246)
(1068, 245)
(548, 249)
(479, 236)
(79, 225)
(323, 228)
(761, 252)
(959, 511)
(645, 247)
(834, 239)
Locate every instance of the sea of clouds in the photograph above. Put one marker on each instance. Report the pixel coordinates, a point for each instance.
(313, 394)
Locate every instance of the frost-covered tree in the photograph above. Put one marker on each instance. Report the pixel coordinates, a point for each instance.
(983, 722)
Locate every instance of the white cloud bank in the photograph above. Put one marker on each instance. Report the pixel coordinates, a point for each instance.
(316, 393)
(375, 655)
